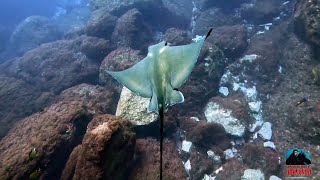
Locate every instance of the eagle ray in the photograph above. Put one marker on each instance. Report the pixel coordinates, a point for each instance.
(160, 74)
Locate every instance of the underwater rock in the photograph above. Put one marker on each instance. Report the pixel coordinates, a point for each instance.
(147, 161)
(309, 128)
(99, 100)
(69, 167)
(261, 12)
(232, 169)
(200, 165)
(106, 151)
(225, 5)
(186, 146)
(213, 17)
(181, 10)
(307, 21)
(274, 178)
(134, 108)
(101, 24)
(158, 13)
(264, 69)
(259, 157)
(132, 31)
(95, 48)
(55, 66)
(231, 112)
(265, 131)
(50, 135)
(120, 7)
(18, 100)
(32, 32)
(204, 134)
(252, 174)
(117, 60)
(214, 156)
(232, 40)
(177, 37)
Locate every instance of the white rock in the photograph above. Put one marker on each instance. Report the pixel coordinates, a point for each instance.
(236, 86)
(187, 166)
(214, 157)
(250, 93)
(226, 77)
(186, 146)
(257, 123)
(276, 18)
(218, 170)
(255, 106)
(258, 118)
(195, 118)
(214, 113)
(207, 177)
(260, 32)
(266, 131)
(269, 144)
(134, 108)
(280, 69)
(228, 154)
(285, 3)
(273, 177)
(224, 91)
(249, 58)
(252, 174)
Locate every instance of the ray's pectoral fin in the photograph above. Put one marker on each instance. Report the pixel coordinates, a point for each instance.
(153, 105)
(174, 96)
(136, 78)
(182, 60)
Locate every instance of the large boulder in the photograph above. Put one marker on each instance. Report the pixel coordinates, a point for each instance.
(213, 17)
(257, 156)
(134, 108)
(232, 40)
(18, 100)
(106, 151)
(147, 161)
(118, 60)
(101, 24)
(131, 31)
(225, 5)
(204, 134)
(96, 48)
(120, 7)
(32, 32)
(99, 100)
(261, 11)
(307, 21)
(39, 145)
(177, 37)
(58, 65)
(158, 13)
(182, 10)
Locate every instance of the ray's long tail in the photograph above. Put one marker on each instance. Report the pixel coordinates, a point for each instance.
(161, 115)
